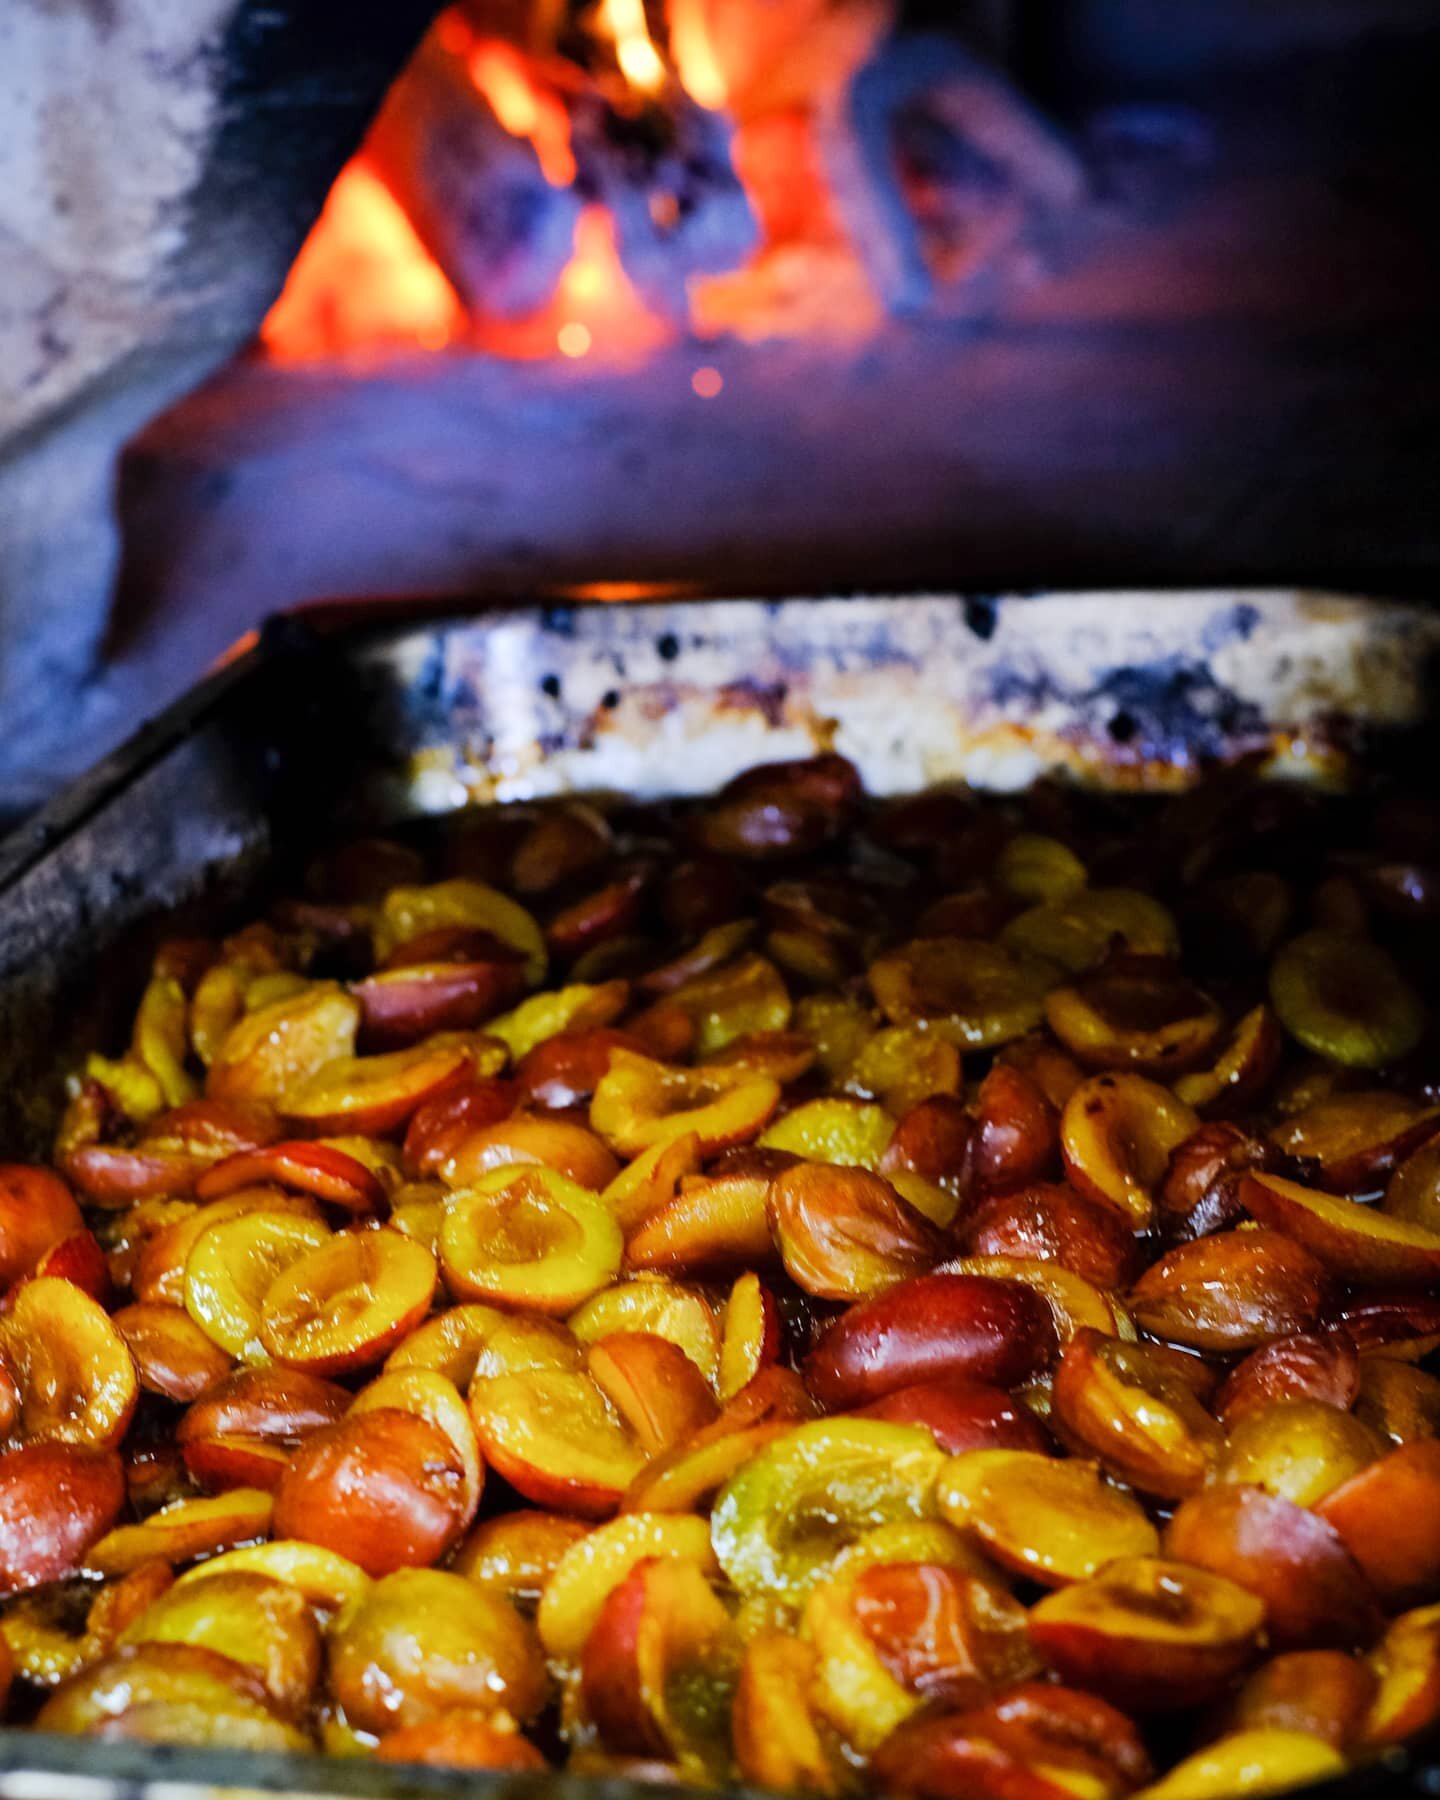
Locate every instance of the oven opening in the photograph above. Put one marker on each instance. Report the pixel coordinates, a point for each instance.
(702, 296)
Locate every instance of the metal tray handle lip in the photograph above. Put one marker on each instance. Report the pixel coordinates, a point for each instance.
(302, 629)
(139, 1771)
(88, 794)
(186, 1772)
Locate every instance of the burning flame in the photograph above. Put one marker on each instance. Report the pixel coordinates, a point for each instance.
(640, 62)
(365, 281)
(523, 108)
(362, 279)
(693, 53)
(594, 311)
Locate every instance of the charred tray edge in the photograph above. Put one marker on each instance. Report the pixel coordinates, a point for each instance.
(358, 722)
(42, 1766)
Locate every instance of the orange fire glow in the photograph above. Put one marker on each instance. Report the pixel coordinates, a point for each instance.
(594, 311)
(362, 280)
(693, 53)
(365, 282)
(640, 62)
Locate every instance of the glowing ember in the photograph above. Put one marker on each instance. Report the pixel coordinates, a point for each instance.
(362, 280)
(594, 312)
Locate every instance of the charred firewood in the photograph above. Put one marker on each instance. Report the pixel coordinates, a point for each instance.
(937, 164)
(665, 173)
(475, 193)
(500, 224)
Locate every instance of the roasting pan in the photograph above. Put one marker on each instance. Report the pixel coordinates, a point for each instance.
(338, 719)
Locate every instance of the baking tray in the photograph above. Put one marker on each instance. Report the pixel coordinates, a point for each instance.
(331, 721)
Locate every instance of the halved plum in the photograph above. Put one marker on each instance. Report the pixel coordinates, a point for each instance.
(1313, 1590)
(844, 1232)
(976, 993)
(553, 1436)
(1388, 1516)
(1136, 1014)
(1234, 1290)
(343, 1305)
(659, 1666)
(639, 1103)
(373, 1095)
(527, 1236)
(1130, 1407)
(594, 1565)
(1344, 997)
(927, 1327)
(1054, 1521)
(786, 1513)
(1356, 1243)
(1149, 1634)
(1117, 1134)
(1266, 1760)
(1352, 1141)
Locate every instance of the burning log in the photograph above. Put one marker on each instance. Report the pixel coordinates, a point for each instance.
(924, 163)
(666, 175)
(493, 151)
(937, 164)
(481, 202)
